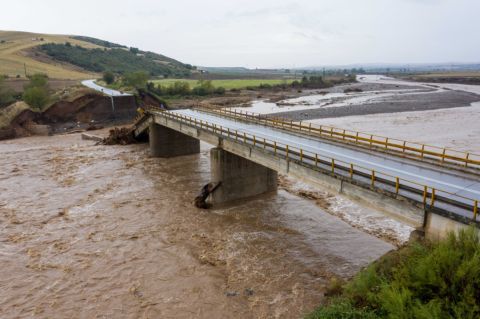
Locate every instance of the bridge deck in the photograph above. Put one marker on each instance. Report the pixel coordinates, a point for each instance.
(451, 184)
(450, 191)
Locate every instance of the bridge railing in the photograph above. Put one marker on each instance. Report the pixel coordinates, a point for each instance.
(393, 184)
(420, 150)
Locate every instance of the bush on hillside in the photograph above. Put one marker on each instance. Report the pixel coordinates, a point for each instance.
(108, 77)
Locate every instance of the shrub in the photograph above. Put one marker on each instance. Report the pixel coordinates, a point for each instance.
(36, 97)
(341, 309)
(7, 95)
(429, 280)
(36, 93)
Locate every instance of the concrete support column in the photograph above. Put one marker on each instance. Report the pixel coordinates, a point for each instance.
(240, 177)
(165, 142)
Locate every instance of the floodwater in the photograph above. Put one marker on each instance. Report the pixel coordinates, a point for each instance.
(107, 232)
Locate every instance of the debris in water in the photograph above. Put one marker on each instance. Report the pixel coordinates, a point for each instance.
(122, 136)
(200, 200)
(91, 137)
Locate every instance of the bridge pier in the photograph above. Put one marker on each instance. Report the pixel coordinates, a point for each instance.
(240, 177)
(166, 142)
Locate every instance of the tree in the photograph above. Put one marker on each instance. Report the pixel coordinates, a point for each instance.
(108, 77)
(136, 80)
(134, 50)
(36, 93)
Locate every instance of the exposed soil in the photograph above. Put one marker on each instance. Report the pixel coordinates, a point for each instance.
(78, 114)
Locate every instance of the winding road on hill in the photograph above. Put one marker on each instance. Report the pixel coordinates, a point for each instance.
(110, 92)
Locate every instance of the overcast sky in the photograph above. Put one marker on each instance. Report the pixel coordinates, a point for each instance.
(267, 33)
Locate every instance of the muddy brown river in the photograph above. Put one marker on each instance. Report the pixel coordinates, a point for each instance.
(106, 232)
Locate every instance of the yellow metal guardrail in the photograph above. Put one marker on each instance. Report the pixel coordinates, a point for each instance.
(412, 148)
(426, 194)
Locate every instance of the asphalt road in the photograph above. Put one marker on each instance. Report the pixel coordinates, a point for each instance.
(433, 176)
(110, 92)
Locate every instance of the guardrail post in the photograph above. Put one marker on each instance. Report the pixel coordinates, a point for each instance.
(254, 140)
(310, 127)
(236, 135)
(301, 155)
(424, 195)
(371, 140)
(244, 137)
(351, 171)
(443, 155)
(275, 147)
(287, 150)
(386, 143)
(316, 160)
(333, 166)
(466, 159)
(432, 201)
(356, 138)
(331, 131)
(343, 137)
(475, 210)
(397, 185)
(264, 144)
(404, 144)
(373, 178)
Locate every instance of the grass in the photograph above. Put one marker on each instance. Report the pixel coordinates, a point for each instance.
(227, 84)
(13, 59)
(422, 280)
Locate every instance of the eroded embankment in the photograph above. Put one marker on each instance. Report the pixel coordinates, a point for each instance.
(86, 110)
(108, 231)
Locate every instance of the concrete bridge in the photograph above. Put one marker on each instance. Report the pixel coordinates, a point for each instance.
(435, 189)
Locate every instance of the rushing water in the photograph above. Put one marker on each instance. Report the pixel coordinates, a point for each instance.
(107, 232)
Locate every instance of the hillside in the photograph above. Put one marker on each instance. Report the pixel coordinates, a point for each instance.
(83, 58)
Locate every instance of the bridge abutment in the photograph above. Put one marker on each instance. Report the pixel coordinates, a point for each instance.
(166, 142)
(240, 177)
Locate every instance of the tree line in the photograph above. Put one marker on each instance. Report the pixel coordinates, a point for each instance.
(116, 60)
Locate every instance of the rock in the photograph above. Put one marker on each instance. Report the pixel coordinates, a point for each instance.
(248, 292)
(231, 293)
